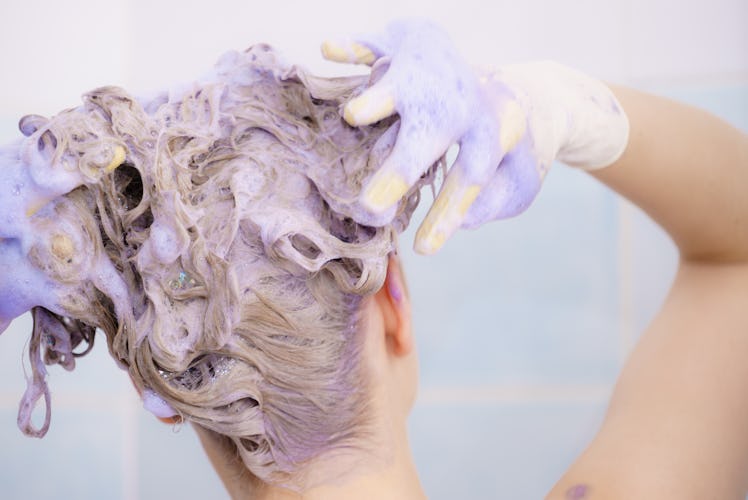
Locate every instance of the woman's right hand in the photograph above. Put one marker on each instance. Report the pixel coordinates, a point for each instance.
(511, 124)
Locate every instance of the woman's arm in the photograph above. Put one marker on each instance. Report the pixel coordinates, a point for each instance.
(689, 171)
(677, 425)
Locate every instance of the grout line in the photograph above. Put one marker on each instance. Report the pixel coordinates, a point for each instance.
(78, 400)
(129, 405)
(695, 81)
(516, 394)
(625, 279)
(130, 479)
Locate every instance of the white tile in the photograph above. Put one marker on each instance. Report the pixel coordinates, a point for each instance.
(52, 52)
(531, 299)
(172, 463)
(79, 458)
(680, 40)
(176, 40)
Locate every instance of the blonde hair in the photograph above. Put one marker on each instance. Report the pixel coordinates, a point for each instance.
(234, 224)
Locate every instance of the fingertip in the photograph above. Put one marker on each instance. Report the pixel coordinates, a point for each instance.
(446, 215)
(347, 52)
(427, 243)
(370, 107)
(513, 125)
(332, 51)
(362, 54)
(384, 190)
(118, 158)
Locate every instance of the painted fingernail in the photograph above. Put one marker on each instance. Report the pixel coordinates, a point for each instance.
(367, 109)
(118, 158)
(513, 125)
(445, 215)
(363, 54)
(384, 190)
(347, 52)
(33, 209)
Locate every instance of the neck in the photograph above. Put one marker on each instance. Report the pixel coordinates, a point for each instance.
(394, 479)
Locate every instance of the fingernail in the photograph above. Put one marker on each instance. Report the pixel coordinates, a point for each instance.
(513, 125)
(34, 209)
(428, 242)
(333, 51)
(118, 158)
(347, 52)
(363, 54)
(445, 216)
(384, 190)
(366, 109)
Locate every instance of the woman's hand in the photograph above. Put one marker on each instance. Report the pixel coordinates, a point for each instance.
(511, 124)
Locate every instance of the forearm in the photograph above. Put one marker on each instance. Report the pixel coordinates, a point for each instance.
(689, 171)
(676, 426)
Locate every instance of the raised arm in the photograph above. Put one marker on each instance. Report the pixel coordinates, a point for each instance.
(676, 425)
(689, 171)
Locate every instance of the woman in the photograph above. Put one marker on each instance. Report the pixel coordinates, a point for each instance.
(232, 294)
(675, 426)
(208, 233)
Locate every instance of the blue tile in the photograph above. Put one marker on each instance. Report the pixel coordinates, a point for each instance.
(80, 457)
(12, 355)
(489, 451)
(532, 298)
(172, 463)
(8, 128)
(654, 262)
(95, 372)
(729, 102)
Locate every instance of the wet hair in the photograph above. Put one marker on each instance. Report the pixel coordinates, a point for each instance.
(234, 253)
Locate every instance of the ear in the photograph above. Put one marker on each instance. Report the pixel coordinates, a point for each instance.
(394, 302)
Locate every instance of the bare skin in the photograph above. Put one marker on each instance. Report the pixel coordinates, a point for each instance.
(675, 428)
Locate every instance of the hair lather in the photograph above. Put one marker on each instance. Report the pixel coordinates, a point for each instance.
(233, 229)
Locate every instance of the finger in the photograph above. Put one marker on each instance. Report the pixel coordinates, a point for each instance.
(472, 169)
(375, 103)
(513, 125)
(509, 192)
(348, 51)
(415, 150)
(512, 119)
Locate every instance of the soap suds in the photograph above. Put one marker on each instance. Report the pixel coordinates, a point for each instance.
(224, 259)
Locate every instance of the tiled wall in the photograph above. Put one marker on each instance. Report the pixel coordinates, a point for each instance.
(522, 326)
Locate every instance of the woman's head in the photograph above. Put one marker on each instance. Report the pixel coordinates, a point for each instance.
(215, 237)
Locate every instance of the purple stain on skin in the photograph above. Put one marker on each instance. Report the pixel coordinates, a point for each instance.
(577, 492)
